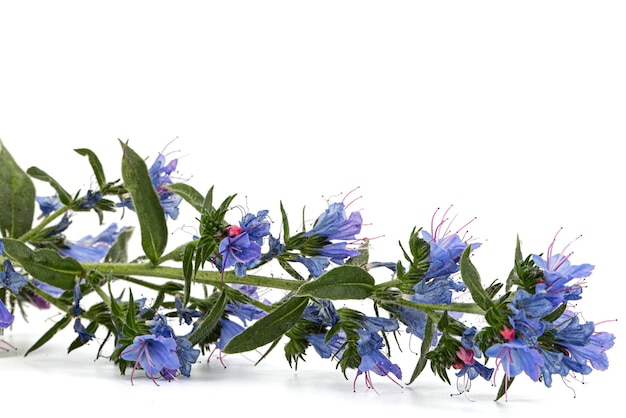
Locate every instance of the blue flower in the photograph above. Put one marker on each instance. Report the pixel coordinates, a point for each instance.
(154, 354)
(333, 347)
(6, 317)
(372, 359)
(11, 279)
(316, 265)
(80, 329)
(516, 357)
(337, 252)
(334, 225)
(91, 199)
(48, 204)
(187, 355)
(92, 249)
(558, 272)
(322, 312)
(257, 226)
(446, 248)
(238, 249)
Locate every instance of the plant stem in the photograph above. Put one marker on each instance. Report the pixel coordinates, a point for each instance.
(202, 276)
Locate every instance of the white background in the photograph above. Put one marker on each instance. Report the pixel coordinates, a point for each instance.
(513, 112)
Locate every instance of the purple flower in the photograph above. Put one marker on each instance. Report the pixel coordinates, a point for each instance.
(238, 249)
(92, 249)
(155, 354)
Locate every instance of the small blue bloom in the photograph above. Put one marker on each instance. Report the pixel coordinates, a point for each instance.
(257, 226)
(558, 273)
(276, 247)
(316, 265)
(82, 331)
(337, 252)
(516, 357)
(48, 204)
(238, 249)
(185, 314)
(63, 224)
(92, 249)
(11, 279)
(321, 312)
(228, 330)
(91, 199)
(334, 225)
(372, 360)
(334, 347)
(6, 317)
(187, 355)
(155, 354)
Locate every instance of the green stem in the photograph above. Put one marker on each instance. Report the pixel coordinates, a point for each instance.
(28, 235)
(469, 308)
(213, 278)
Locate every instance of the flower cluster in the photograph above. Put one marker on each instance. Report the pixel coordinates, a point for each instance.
(211, 299)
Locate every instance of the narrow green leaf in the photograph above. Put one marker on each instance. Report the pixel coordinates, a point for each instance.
(429, 333)
(95, 165)
(58, 326)
(208, 323)
(147, 205)
(340, 283)
(504, 387)
(285, 220)
(39, 174)
(189, 194)
(44, 264)
(471, 279)
(17, 197)
(269, 328)
(188, 270)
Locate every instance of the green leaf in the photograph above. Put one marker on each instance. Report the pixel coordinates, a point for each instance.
(147, 205)
(95, 165)
(208, 323)
(340, 283)
(269, 328)
(17, 197)
(39, 174)
(429, 333)
(188, 193)
(471, 278)
(504, 387)
(44, 264)
(188, 270)
(58, 326)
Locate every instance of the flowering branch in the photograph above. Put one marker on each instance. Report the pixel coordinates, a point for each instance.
(207, 295)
